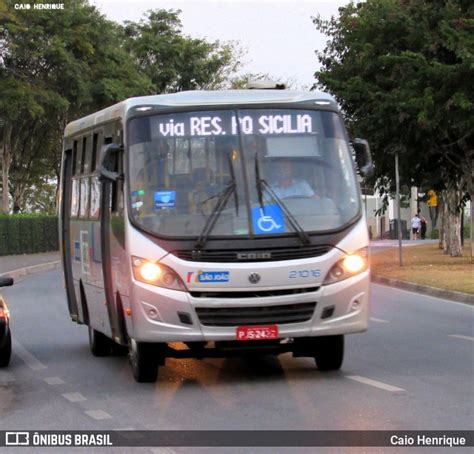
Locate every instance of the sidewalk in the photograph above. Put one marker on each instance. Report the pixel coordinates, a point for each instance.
(394, 243)
(10, 263)
(425, 270)
(377, 246)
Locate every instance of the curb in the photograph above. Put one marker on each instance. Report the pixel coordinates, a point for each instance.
(425, 289)
(32, 269)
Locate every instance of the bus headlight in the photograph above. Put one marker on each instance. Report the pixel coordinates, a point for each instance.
(348, 266)
(150, 272)
(354, 263)
(156, 274)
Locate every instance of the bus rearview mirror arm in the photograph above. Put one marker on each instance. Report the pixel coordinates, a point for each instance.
(363, 156)
(109, 159)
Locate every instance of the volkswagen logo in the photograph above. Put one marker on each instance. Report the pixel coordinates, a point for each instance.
(254, 278)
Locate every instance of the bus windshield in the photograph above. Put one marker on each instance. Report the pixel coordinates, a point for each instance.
(274, 172)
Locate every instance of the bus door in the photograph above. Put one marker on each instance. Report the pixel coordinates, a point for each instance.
(93, 308)
(69, 158)
(112, 238)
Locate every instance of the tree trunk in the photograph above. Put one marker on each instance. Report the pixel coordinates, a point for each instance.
(443, 222)
(18, 197)
(470, 188)
(452, 198)
(472, 227)
(455, 247)
(6, 162)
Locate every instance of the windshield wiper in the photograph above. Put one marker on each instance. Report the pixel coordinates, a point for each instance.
(262, 184)
(222, 198)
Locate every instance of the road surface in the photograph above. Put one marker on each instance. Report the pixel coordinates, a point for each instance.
(413, 370)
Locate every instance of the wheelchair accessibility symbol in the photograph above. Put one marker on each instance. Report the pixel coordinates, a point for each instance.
(267, 223)
(268, 219)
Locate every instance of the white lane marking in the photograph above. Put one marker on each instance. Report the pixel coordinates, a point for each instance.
(74, 397)
(439, 298)
(26, 356)
(98, 414)
(459, 336)
(375, 383)
(54, 380)
(378, 320)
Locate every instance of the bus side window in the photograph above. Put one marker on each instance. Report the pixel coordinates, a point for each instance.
(82, 160)
(95, 157)
(95, 198)
(86, 155)
(107, 140)
(74, 158)
(75, 195)
(119, 184)
(116, 199)
(78, 160)
(84, 205)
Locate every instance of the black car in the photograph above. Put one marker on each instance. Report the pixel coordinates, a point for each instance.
(5, 334)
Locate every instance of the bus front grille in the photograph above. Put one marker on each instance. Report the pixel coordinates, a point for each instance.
(260, 315)
(271, 254)
(253, 293)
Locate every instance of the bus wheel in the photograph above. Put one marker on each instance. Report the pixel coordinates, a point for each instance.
(99, 343)
(6, 351)
(144, 361)
(330, 352)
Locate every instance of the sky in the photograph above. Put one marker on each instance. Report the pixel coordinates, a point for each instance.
(278, 35)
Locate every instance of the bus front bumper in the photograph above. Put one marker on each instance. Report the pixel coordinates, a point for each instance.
(162, 315)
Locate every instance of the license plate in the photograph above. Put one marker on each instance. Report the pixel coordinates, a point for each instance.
(244, 333)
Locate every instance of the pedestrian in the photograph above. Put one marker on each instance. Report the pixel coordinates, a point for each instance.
(423, 227)
(415, 226)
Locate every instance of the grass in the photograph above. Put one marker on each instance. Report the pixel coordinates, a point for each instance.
(427, 265)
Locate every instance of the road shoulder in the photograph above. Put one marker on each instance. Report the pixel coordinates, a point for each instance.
(32, 269)
(425, 290)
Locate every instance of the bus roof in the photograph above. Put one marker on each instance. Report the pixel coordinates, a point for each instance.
(198, 98)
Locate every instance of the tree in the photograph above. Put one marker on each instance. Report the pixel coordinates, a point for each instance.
(176, 62)
(402, 71)
(55, 66)
(241, 81)
(59, 65)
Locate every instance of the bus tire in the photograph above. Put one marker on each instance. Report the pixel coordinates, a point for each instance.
(144, 361)
(6, 351)
(330, 352)
(99, 343)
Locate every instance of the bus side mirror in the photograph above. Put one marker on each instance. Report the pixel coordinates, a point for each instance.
(109, 159)
(363, 156)
(6, 281)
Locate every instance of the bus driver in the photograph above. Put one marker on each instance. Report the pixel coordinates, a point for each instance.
(287, 185)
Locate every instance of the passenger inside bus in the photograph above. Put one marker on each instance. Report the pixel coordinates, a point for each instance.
(285, 184)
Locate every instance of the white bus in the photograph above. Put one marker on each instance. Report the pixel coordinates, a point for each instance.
(215, 223)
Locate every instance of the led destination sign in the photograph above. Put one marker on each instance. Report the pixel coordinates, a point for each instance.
(221, 125)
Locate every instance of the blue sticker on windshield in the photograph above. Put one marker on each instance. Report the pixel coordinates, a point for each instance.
(77, 251)
(164, 199)
(268, 219)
